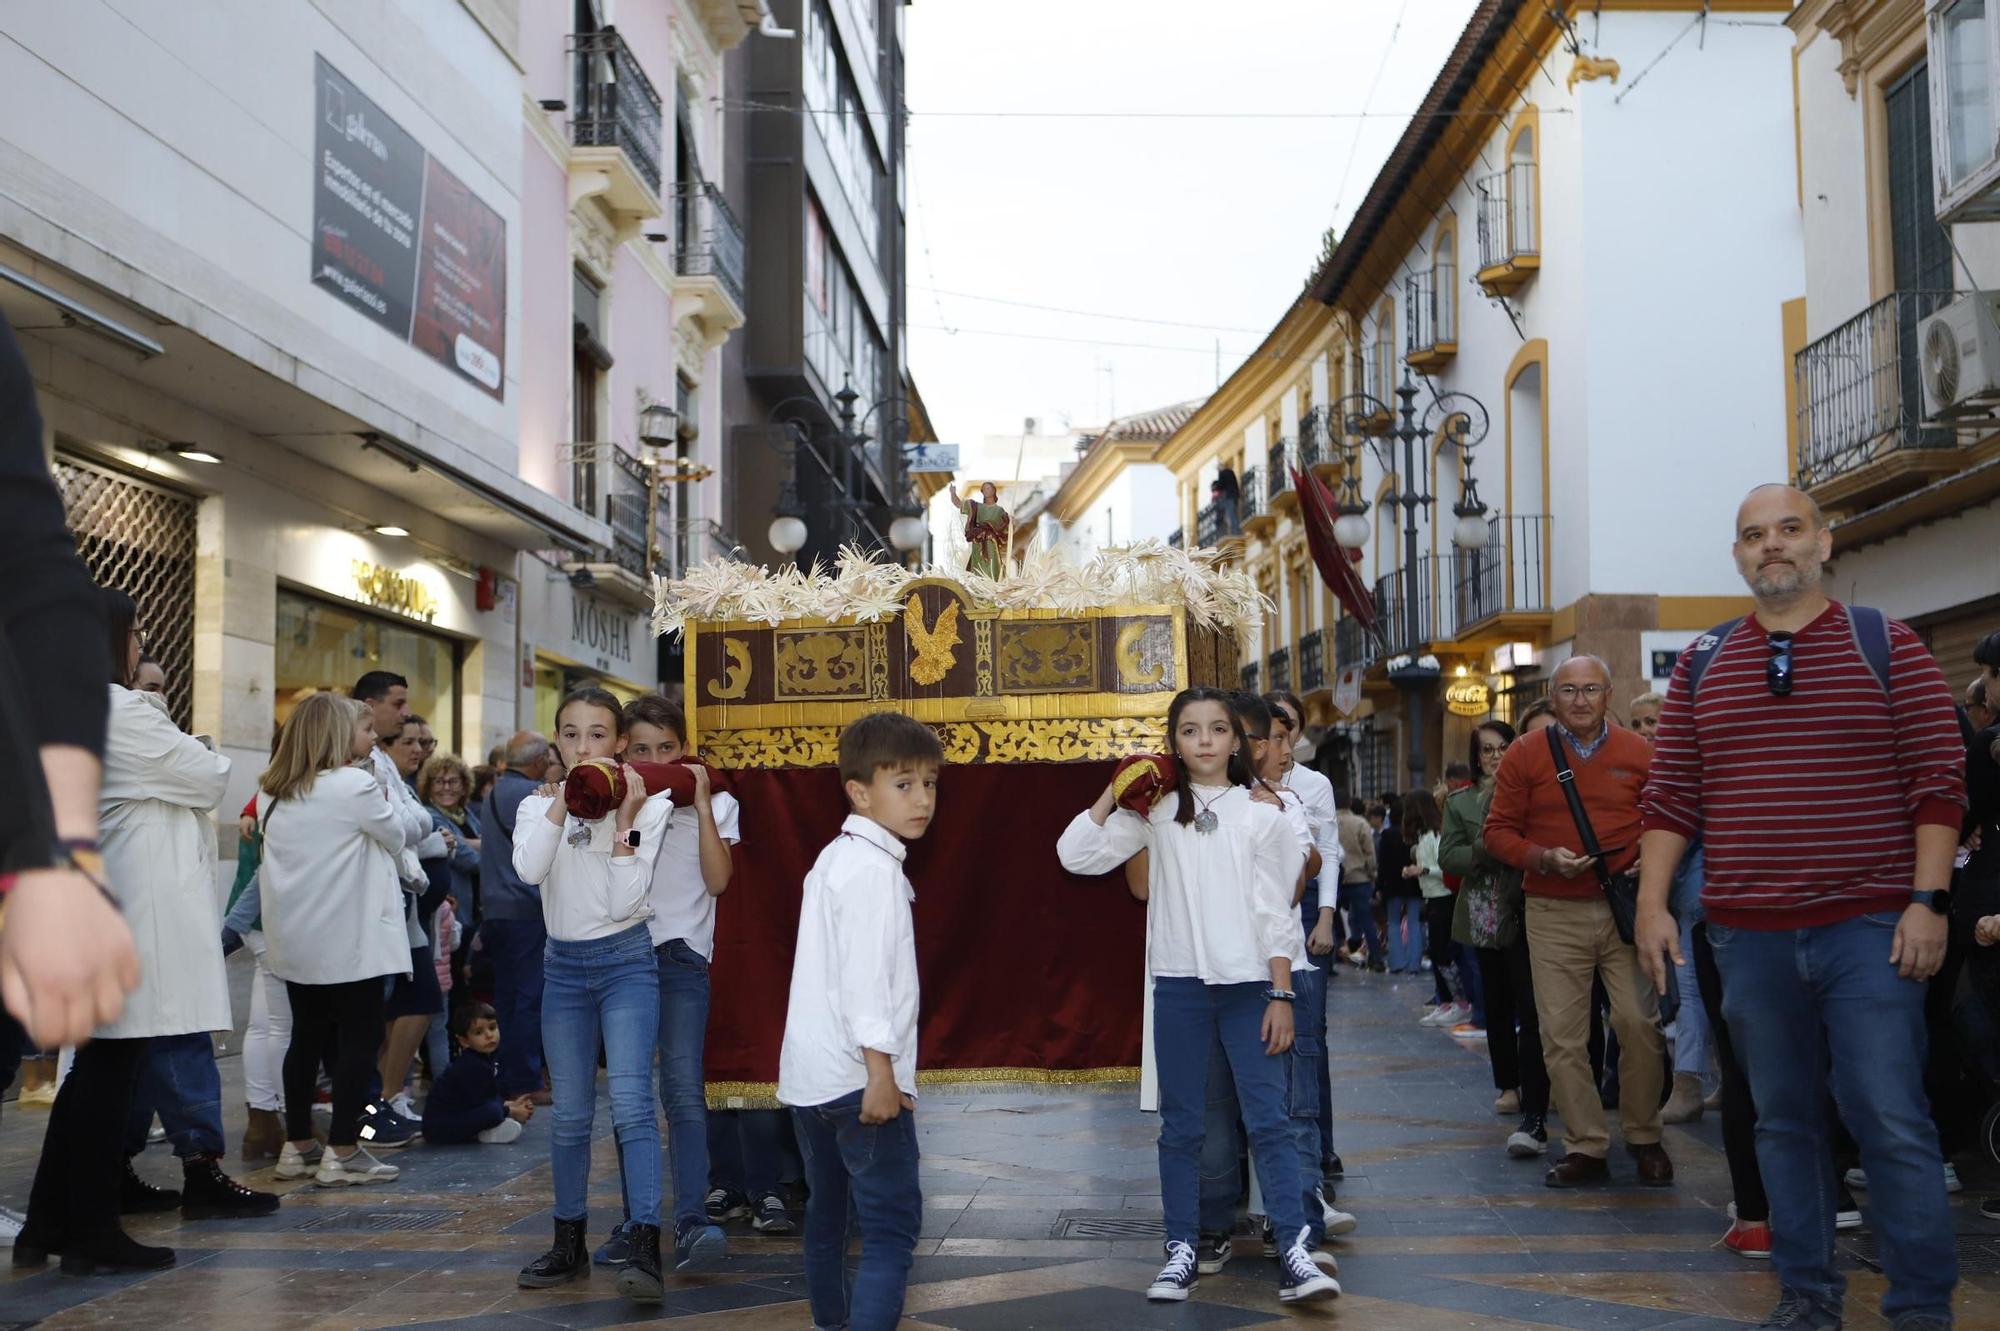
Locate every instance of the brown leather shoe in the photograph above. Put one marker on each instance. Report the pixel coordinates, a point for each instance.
(1655, 1170)
(1577, 1170)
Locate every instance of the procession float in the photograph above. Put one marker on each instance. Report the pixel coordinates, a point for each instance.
(1038, 683)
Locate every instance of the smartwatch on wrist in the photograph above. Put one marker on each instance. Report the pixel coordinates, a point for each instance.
(1939, 901)
(629, 838)
(1280, 995)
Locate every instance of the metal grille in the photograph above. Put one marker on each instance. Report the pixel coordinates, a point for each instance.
(1113, 1226)
(354, 1219)
(140, 539)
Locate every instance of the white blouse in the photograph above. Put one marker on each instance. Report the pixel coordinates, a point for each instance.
(588, 892)
(1219, 904)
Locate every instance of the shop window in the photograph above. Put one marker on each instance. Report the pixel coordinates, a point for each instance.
(324, 647)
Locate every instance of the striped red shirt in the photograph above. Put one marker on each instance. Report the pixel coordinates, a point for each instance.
(1807, 804)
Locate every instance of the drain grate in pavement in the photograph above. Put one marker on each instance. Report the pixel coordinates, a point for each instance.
(1978, 1254)
(1088, 1226)
(357, 1220)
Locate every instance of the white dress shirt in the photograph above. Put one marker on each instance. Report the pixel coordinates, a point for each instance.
(854, 973)
(333, 910)
(587, 892)
(1316, 790)
(682, 906)
(1219, 904)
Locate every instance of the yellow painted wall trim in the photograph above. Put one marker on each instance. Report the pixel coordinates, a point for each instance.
(1692, 614)
(1535, 351)
(1792, 323)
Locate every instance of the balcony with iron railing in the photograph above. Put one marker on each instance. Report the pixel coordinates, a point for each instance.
(614, 126)
(611, 485)
(1312, 661)
(1279, 665)
(1208, 525)
(1281, 458)
(708, 252)
(1510, 246)
(1352, 644)
(1471, 598)
(1176, 538)
(1430, 335)
(1258, 519)
(1861, 432)
(1316, 441)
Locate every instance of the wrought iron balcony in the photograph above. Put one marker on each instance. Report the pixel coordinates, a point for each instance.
(709, 239)
(1429, 336)
(1278, 485)
(1401, 632)
(1312, 661)
(1208, 525)
(1254, 507)
(610, 484)
(1509, 573)
(1352, 644)
(1250, 678)
(1315, 439)
(1176, 538)
(1509, 232)
(1860, 404)
(615, 105)
(1281, 668)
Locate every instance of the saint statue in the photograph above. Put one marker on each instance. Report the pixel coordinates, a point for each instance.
(986, 528)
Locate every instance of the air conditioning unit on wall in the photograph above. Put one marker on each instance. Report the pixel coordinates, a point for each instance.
(1958, 356)
(1964, 72)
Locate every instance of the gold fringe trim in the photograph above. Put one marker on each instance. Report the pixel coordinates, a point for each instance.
(764, 1094)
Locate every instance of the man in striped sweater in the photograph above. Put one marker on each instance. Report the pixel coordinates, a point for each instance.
(1823, 769)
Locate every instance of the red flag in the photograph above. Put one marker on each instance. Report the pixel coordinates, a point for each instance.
(1317, 510)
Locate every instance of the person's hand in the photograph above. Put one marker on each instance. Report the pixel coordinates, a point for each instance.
(246, 825)
(520, 1109)
(1918, 950)
(66, 957)
(1263, 794)
(1412, 871)
(1567, 863)
(1658, 938)
(450, 841)
(701, 791)
(1987, 932)
(1277, 1028)
(881, 1102)
(635, 797)
(550, 790)
(1320, 941)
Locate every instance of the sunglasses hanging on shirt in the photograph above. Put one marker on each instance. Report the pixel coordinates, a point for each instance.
(1778, 670)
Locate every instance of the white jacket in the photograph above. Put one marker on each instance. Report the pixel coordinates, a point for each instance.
(159, 853)
(333, 908)
(421, 839)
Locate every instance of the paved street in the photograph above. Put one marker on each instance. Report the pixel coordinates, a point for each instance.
(1041, 1215)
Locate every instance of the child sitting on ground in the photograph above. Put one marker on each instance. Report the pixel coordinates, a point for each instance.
(465, 1104)
(848, 1064)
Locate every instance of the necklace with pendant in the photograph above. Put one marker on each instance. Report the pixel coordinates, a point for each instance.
(1205, 821)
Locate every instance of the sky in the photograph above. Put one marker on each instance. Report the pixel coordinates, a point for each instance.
(1194, 214)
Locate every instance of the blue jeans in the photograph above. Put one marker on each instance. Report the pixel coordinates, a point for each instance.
(873, 1169)
(1221, 1184)
(1690, 1021)
(1358, 901)
(1805, 1003)
(516, 948)
(1405, 954)
(178, 1081)
(683, 1028)
(1187, 1017)
(1309, 916)
(603, 989)
(746, 1150)
(1305, 1067)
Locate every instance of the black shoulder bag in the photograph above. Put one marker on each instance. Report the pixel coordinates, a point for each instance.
(1621, 891)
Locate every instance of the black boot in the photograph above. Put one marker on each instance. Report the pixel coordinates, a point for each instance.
(209, 1194)
(111, 1252)
(639, 1280)
(136, 1196)
(568, 1260)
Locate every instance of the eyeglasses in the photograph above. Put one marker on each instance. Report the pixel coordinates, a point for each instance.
(1493, 749)
(427, 744)
(1778, 670)
(1571, 691)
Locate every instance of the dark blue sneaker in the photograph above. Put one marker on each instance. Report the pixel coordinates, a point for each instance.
(617, 1249)
(699, 1246)
(382, 1128)
(770, 1217)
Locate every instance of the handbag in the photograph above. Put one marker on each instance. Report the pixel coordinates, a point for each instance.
(1621, 890)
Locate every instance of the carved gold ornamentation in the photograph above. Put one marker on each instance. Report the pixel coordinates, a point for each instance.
(822, 663)
(735, 681)
(878, 661)
(1100, 739)
(934, 658)
(982, 656)
(1047, 656)
(1589, 67)
(1139, 642)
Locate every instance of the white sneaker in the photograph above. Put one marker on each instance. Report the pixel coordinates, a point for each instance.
(1951, 1183)
(1337, 1221)
(506, 1130)
(406, 1109)
(1440, 1015)
(294, 1163)
(360, 1167)
(10, 1226)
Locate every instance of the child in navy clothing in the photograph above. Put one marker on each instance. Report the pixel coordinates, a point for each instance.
(465, 1104)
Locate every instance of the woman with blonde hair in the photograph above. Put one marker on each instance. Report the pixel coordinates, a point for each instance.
(333, 924)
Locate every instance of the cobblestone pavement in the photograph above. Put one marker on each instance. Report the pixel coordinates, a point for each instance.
(1453, 1234)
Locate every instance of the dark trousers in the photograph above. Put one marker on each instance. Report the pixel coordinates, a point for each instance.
(75, 1194)
(342, 1025)
(1739, 1109)
(1513, 1032)
(515, 947)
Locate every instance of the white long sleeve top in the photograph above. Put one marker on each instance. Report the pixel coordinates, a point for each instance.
(587, 892)
(333, 910)
(1219, 904)
(682, 906)
(1316, 790)
(854, 973)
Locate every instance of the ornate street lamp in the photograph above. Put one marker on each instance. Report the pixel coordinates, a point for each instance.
(846, 443)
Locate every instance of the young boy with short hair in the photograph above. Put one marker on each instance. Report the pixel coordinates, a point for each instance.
(848, 1065)
(465, 1104)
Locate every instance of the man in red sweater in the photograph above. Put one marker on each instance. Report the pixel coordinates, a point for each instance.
(1827, 787)
(1571, 937)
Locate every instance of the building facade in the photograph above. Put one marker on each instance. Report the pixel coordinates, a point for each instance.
(1115, 491)
(1914, 500)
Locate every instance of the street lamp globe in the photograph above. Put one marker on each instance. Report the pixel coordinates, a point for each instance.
(907, 532)
(1351, 530)
(1469, 532)
(788, 534)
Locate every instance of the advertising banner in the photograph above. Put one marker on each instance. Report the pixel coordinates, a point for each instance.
(400, 238)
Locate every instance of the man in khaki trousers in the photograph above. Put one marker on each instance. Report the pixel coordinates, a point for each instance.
(1571, 937)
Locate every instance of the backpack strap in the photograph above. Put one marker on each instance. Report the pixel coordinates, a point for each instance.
(1871, 638)
(1703, 651)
